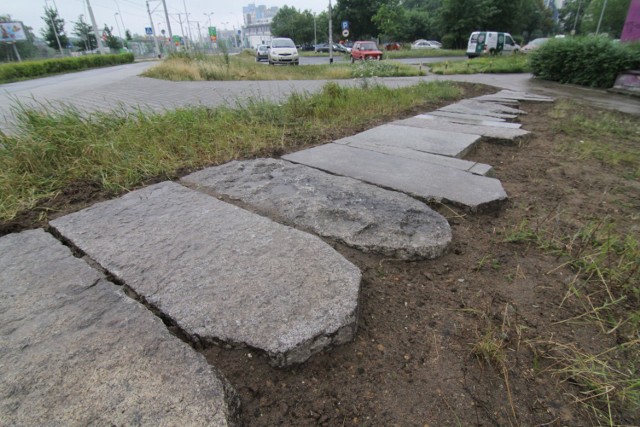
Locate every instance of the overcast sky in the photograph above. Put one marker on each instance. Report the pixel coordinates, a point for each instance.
(226, 13)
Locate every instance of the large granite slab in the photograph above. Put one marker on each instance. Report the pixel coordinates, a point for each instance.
(434, 141)
(425, 182)
(483, 109)
(75, 351)
(444, 116)
(498, 134)
(398, 150)
(360, 215)
(222, 274)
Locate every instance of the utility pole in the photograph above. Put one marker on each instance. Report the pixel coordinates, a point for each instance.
(53, 27)
(117, 25)
(166, 17)
(330, 36)
(95, 29)
(575, 22)
(604, 6)
(208, 36)
(315, 32)
(153, 30)
(184, 2)
(184, 36)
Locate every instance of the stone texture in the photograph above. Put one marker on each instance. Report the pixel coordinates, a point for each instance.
(483, 109)
(222, 273)
(444, 116)
(75, 351)
(433, 141)
(421, 156)
(360, 215)
(499, 134)
(426, 182)
(509, 95)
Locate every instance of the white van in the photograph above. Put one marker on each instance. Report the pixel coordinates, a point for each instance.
(491, 42)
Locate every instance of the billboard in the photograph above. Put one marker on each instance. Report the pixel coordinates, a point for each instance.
(631, 29)
(12, 31)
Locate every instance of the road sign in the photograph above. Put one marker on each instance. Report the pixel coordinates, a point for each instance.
(148, 31)
(345, 25)
(345, 33)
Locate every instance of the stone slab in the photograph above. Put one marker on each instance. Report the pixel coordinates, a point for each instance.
(496, 133)
(478, 109)
(435, 141)
(75, 351)
(491, 107)
(360, 215)
(425, 182)
(221, 273)
(397, 150)
(510, 95)
(467, 119)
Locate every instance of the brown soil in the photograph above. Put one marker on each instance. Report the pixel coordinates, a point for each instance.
(415, 360)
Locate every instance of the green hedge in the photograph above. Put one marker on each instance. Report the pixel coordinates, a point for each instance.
(587, 61)
(31, 69)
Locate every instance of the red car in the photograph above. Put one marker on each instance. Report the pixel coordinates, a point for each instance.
(365, 50)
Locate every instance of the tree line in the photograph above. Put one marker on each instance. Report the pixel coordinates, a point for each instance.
(450, 21)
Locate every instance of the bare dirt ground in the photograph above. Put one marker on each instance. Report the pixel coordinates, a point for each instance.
(463, 340)
(458, 341)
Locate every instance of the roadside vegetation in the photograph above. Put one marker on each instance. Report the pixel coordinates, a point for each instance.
(487, 64)
(588, 61)
(54, 150)
(422, 53)
(244, 67)
(11, 72)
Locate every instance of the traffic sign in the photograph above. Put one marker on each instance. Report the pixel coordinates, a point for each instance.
(345, 33)
(148, 31)
(345, 25)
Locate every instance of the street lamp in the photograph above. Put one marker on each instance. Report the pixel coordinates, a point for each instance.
(209, 16)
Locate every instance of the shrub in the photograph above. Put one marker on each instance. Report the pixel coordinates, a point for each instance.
(587, 61)
(32, 69)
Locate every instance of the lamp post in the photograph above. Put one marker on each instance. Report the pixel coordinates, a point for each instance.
(604, 6)
(117, 25)
(315, 32)
(330, 36)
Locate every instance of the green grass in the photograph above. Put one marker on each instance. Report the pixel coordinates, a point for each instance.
(55, 149)
(485, 64)
(422, 53)
(244, 67)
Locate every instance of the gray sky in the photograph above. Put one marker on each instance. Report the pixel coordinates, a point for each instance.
(226, 14)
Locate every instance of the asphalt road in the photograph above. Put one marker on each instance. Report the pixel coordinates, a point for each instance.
(120, 87)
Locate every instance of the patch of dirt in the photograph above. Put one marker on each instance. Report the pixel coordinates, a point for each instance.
(422, 355)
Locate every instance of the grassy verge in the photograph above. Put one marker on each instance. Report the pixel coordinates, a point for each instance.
(244, 67)
(34, 69)
(422, 53)
(487, 64)
(604, 256)
(115, 151)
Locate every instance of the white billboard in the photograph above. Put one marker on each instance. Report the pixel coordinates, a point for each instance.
(12, 31)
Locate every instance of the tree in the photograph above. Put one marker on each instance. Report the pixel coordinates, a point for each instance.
(359, 13)
(571, 15)
(391, 19)
(294, 24)
(112, 41)
(85, 33)
(459, 18)
(54, 25)
(613, 19)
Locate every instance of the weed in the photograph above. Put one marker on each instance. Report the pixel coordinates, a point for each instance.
(502, 64)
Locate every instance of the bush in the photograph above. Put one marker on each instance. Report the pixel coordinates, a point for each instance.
(32, 69)
(587, 61)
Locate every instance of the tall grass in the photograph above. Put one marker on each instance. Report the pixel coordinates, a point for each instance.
(244, 67)
(486, 64)
(119, 150)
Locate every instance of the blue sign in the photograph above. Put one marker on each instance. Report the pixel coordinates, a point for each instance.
(148, 31)
(345, 25)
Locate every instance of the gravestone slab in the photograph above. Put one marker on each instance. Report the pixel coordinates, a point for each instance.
(360, 215)
(222, 274)
(75, 351)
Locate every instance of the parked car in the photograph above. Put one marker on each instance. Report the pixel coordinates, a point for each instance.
(283, 51)
(534, 44)
(365, 50)
(322, 47)
(262, 53)
(435, 43)
(491, 42)
(393, 46)
(424, 44)
(341, 48)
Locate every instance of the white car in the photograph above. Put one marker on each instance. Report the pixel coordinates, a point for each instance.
(424, 44)
(283, 51)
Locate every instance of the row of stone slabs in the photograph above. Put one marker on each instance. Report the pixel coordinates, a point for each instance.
(76, 350)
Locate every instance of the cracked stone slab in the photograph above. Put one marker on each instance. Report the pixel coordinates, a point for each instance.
(444, 116)
(221, 273)
(425, 182)
(397, 150)
(75, 351)
(483, 109)
(434, 141)
(509, 95)
(360, 215)
(500, 134)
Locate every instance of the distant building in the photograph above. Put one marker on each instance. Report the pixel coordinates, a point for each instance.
(257, 24)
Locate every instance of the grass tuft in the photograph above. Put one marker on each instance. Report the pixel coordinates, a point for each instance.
(487, 64)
